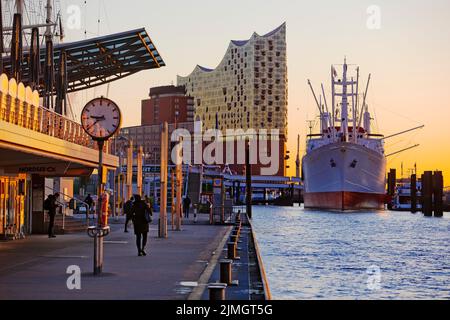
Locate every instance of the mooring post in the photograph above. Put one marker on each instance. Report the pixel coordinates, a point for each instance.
(392, 181)
(232, 250)
(438, 194)
(427, 193)
(217, 291)
(225, 271)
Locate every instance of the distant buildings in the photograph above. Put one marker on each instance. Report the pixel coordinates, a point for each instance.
(149, 137)
(247, 90)
(167, 104)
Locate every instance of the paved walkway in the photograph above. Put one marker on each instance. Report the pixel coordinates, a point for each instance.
(35, 268)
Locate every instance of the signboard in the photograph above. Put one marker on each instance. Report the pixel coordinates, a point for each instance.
(147, 169)
(217, 183)
(51, 169)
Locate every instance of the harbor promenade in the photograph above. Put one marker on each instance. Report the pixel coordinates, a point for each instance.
(36, 268)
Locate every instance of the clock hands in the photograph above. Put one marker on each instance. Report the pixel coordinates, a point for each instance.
(98, 117)
(97, 120)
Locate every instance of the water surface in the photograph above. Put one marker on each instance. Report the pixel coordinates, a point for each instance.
(368, 255)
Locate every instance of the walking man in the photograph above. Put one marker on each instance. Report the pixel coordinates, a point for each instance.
(186, 206)
(127, 208)
(52, 206)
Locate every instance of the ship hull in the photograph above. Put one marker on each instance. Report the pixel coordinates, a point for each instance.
(345, 201)
(344, 176)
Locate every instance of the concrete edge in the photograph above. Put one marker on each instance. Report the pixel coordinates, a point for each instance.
(262, 271)
(203, 281)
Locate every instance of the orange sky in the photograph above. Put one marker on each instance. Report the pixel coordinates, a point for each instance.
(409, 58)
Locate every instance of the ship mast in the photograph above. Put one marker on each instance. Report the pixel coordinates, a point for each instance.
(48, 21)
(344, 108)
(19, 7)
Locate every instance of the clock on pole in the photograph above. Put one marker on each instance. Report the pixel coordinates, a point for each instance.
(101, 119)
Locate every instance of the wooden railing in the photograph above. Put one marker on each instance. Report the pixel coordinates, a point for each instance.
(19, 105)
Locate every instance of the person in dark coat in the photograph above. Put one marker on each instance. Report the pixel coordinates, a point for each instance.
(90, 202)
(127, 208)
(140, 223)
(52, 213)
(186, 206)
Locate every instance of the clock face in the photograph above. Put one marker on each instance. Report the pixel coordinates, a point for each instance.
(101, 118)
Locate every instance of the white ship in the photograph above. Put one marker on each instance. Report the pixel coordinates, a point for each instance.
(345, 164)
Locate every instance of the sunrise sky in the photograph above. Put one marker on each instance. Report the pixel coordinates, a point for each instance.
(408, 56)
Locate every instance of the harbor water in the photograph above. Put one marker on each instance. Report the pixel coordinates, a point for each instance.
(368, 255)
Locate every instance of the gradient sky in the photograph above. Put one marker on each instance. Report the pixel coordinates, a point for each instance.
(409, 58)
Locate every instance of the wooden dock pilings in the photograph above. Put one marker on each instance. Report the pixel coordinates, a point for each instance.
(438, 194)
(414, 193)
(432, 194)
(392, 180)
(427, 193)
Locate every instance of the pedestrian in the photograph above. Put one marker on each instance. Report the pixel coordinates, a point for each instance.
(147, 200)
(90, 202)
(127, 208)
(51, 205)
(186, 206)
(141, 222)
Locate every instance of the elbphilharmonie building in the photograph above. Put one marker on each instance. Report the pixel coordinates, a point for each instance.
(248, 89)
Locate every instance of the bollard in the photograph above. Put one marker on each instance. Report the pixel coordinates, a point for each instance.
(232, 251)
(98, 233)
(225, 271)
(217, 291)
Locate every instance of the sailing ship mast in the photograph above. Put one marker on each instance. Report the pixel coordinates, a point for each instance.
(297, 161)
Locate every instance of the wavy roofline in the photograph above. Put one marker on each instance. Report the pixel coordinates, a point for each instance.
(237, 43)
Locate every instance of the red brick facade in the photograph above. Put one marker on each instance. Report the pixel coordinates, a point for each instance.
(167, 104)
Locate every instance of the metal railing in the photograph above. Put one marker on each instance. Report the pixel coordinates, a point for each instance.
(65, 205)
(19, 105)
